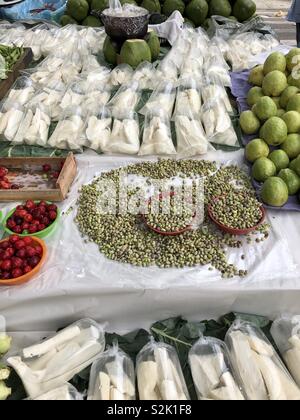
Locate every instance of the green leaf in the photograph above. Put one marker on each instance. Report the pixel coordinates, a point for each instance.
(130, 343)
(180, 334)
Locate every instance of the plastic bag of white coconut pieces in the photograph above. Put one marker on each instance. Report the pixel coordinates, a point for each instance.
(112, 377)
(98, 130)
(126, 99)
(51, 363)
(159, 374)
(157, 137)
(261, 371)
(70, 131)
(286, 333)
(125, 135)
(161, 99)
(213, 375)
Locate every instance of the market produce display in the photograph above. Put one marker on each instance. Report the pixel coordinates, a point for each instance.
(125, 238)
(71, 101)
(78, 12)
(8, 58)
(275, 119)
(233, 358)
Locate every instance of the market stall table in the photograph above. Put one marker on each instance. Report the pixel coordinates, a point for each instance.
(78, 281)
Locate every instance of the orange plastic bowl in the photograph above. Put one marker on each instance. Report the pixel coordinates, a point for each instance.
(28, 276)
(233, 231)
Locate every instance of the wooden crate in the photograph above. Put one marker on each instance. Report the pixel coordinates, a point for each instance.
(21, 64)
(63, 183)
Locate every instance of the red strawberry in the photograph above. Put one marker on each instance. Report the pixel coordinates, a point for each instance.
(30, 251)
(28, 218)
(17, 262)
(30, 205)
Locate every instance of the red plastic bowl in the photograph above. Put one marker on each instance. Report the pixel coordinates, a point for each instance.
(234, 231)
(160, 232)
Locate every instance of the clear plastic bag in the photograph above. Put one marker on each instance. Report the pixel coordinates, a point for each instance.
(34, 128)
(161, 100)
(74, 95)
(159, 374)
(212, 90)
(212, 373)
(70, 131)
(120, 75)
(96, 98)
(49, 98)
(191, 140)
(98, 131)
(11, 115)
(145, 75)
(166, 71)
(286, 334)
(53, 362)
(215, 67)
(262, 374)
(126, 99)
(125, 135)
(217, 124)
(188, 98)
(94, 37)
(66, 392)
(22, 91)
(112, 377)
(157, 137)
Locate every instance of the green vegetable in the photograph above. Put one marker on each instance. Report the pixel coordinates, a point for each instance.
(8, 58)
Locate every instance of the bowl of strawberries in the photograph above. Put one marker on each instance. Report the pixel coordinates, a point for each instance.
(21, 258)
(33, 218)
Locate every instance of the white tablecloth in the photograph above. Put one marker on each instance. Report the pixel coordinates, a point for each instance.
(77, 281)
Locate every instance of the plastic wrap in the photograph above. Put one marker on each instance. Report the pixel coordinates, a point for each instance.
(49, 98)
(34, 128)
(218, 125)
(11, 115)
(70, 130)
(161, 100)
(98, 130)
(96, 98)
(112, 377)
(75, 94)
(49, 364)
(211, 90)
(157, 137)
(66, 392)
(120, 75)
(159, 374)
(286, 334)
(188, 98)
(94, 37)
(125, 135)
(166, 71)
(212, 372)
(126, 99)
(22, 91)
(145, 75)
(215, 67)
(262, 374)
(191, 140)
